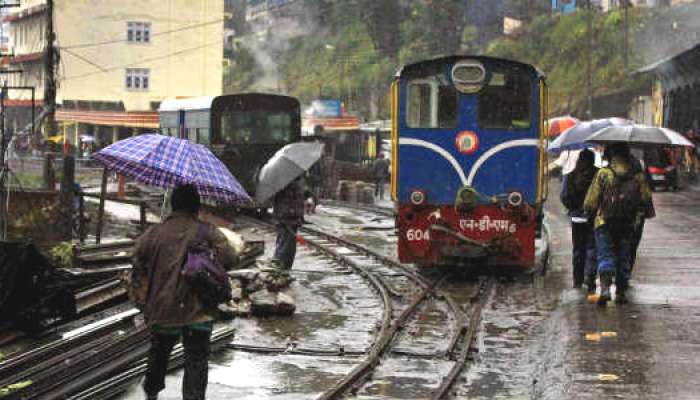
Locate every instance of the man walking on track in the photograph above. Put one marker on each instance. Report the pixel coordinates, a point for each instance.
(380, 170)
(289, 211)
(171, 308)
(617, 198)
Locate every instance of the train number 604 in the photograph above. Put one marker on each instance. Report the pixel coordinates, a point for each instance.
(417, 234)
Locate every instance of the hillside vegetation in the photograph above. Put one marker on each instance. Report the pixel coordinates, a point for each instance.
(351, 49)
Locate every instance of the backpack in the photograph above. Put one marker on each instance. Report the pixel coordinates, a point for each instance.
(621, 199)
(205, 276)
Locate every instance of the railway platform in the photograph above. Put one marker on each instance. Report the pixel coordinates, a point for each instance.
(646, 349)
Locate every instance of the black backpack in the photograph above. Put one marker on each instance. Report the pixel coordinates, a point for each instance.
(623, 198)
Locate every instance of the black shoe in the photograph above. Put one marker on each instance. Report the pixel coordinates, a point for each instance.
(621, 295)
(591, 287)
(621, 298)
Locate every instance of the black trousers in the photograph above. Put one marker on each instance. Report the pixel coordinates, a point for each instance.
(286, 244)
(636, 239)
(583, 257)
(195, 341)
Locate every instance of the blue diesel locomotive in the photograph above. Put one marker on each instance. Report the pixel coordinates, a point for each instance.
(469, 166)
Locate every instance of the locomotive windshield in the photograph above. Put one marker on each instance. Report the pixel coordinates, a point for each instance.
(504, 102)
(256, 126)
(432, 103)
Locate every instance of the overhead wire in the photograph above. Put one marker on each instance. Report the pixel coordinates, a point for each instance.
(142, 62)
(121, 40)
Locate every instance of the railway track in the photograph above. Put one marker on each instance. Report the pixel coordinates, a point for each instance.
(409, 297)
(419, 321)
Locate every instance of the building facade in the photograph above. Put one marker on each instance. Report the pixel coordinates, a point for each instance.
(118, 60)
(608, 5)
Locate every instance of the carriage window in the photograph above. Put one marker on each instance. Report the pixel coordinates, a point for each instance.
(504, 103)
(257, 126)
(431, 104)
(203, 136)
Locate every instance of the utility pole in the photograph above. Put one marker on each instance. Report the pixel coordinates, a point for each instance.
(50, 58)
(589, 67)
(4, 141)
(625, 44)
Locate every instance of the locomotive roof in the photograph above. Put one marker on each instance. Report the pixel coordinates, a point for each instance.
(192, 103)
(205, 102)
(453, 59)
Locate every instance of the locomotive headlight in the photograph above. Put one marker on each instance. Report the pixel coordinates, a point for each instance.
(515, 199)
(418, 197)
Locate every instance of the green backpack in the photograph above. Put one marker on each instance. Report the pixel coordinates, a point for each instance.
(623, 198)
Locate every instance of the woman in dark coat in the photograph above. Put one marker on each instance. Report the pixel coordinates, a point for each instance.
(574, 188)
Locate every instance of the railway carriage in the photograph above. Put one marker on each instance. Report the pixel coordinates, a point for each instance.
(469, 166)
(243, 130)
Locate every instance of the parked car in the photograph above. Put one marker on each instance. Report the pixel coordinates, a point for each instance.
(661, 169)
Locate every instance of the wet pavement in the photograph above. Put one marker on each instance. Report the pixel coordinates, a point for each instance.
(539, 338)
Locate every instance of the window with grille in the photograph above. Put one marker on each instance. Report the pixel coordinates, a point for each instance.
(138, 78)
(138, 32)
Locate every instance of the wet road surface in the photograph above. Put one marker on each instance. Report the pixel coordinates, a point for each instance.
(539, 339)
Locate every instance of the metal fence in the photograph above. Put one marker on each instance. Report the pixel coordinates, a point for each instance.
(27, 171)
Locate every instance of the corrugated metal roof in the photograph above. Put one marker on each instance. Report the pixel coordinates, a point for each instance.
(680, 70)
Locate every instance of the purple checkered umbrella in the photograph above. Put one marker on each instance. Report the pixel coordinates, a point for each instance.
(166, 162)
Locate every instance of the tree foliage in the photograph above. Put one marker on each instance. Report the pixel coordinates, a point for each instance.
(352, 48)
(560, 48)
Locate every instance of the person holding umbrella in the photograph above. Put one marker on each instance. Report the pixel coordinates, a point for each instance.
(288, 207)
(171, 307)
(281, 179)
(574, 188)
(616, 199)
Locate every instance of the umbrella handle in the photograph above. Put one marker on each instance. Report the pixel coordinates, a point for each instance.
(163, 206)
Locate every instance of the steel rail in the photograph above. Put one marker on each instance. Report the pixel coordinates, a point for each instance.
(15, 368)
(383, 211)
(47, 381)
(390, 328)
(387, 330)
(384, 340)
(471, 325)
(120, 382)
(303, 351)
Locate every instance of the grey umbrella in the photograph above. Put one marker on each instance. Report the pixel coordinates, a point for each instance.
(639, 135)
(289, 163)
(575, 137)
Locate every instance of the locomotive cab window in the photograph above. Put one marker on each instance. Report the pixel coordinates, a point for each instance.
(504, 103)
(431, 104)
(256, 126)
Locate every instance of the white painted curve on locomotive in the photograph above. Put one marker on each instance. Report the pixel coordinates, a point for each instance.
(496, 149)
(439, 150)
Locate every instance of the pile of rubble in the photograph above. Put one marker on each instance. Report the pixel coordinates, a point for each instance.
(261, 290)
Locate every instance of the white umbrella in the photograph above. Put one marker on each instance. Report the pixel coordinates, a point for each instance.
(289, 163)
(640, 135)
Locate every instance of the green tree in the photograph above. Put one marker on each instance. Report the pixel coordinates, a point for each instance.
(241, 74)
